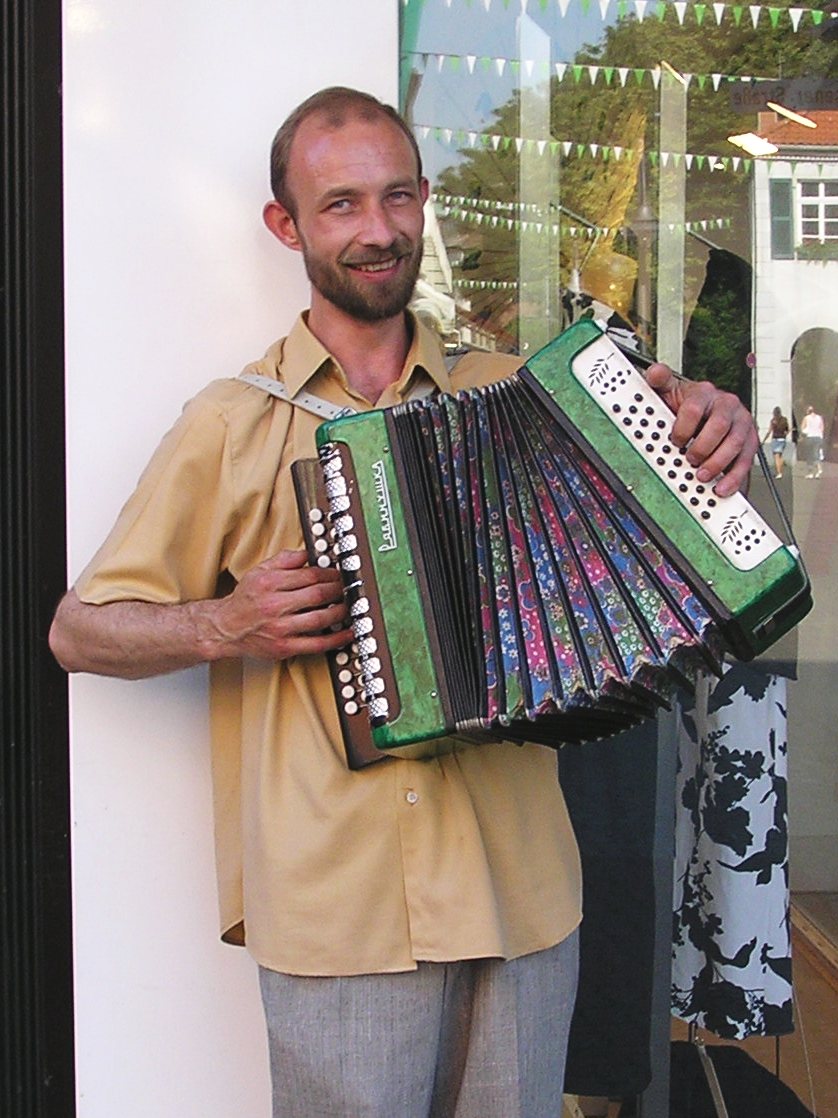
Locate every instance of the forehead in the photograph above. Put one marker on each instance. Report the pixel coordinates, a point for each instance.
(328, 152)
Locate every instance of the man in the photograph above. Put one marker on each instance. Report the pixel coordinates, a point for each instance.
(414, 922)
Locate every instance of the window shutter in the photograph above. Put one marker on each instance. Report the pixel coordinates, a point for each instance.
(782, 219)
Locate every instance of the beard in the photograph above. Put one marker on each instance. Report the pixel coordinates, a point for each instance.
(366, 302)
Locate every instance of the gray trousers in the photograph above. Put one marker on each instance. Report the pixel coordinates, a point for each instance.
(481, 1038)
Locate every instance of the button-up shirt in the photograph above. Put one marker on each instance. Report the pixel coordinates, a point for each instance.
(323, 870)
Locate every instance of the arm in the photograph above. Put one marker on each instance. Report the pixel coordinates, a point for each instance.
(278, 610)
(719, 429)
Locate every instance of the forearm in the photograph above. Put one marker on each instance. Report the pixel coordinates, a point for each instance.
(134, 640)
(281, 608)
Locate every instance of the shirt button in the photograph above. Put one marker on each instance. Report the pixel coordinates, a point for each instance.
(412, 797)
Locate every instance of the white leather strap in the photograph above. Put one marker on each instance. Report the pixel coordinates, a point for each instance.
(304, 400)
(308, 402)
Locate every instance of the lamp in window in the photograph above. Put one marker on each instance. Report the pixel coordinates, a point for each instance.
(753, 144)
(795, 117)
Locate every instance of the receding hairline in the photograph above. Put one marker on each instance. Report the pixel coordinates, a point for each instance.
(333, 108)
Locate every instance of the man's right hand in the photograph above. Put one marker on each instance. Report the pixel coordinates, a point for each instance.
(282, 608)
(279, 609)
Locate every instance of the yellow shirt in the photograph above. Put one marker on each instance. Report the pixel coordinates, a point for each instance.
(330, 871)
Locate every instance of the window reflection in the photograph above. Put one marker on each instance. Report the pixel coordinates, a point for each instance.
(672, 167)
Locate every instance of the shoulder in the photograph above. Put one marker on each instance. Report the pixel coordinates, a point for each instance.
(227, 416)
(235, 400)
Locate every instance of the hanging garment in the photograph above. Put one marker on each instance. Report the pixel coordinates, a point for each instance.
(731, 945)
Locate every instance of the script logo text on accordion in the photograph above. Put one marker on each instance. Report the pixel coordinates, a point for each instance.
(385, 510)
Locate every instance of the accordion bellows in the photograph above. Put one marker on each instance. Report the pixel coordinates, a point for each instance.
(533, 560)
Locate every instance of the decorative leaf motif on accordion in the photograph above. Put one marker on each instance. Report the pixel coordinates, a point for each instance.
(602, 373)
(735, 526)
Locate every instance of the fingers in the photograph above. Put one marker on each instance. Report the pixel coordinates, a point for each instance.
(714, 427)
(295, 584)
(283, 608)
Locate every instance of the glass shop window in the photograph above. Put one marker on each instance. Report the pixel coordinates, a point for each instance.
(670, 167)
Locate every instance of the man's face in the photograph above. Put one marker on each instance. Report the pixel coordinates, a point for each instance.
(359, 214)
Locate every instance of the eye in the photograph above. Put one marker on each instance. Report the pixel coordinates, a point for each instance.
(340, 205)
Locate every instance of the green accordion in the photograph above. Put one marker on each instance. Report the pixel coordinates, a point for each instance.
(533, 560)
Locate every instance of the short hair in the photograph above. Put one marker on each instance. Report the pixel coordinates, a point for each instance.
(337, 104)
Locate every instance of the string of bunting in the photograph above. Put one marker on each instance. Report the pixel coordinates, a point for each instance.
(486, 285)
(524, 217)
(797, 16)
(566, 71)
(460, 138)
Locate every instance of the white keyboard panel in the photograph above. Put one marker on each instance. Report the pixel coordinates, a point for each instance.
(645, 420)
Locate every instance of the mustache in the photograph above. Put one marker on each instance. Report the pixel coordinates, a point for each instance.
(398, 249)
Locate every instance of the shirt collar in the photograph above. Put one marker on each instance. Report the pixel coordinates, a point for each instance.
(303, 356)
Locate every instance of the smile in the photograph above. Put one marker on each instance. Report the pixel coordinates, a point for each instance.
(379, 266)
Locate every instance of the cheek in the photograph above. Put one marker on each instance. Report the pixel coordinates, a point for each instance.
(413, 229)
(331, 239)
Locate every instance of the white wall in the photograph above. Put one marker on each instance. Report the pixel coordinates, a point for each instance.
(791, 296)
(171, 280)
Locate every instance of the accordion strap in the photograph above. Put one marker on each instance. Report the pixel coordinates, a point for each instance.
(305, 400)
(320, 407)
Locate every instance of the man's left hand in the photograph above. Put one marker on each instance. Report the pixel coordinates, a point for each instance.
(715, 427)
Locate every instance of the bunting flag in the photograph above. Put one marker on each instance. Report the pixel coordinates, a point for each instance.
(527, 218)
(461, 139)
(575, 72)
(655, 9)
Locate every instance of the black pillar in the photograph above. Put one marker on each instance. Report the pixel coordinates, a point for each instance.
(36, 998)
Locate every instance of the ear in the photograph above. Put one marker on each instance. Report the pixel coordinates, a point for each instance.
(281, 224)
(424, 190)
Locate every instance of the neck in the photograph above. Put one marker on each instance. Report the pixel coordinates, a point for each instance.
(372, 354)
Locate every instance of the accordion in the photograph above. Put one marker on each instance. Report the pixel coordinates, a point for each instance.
(532, 560)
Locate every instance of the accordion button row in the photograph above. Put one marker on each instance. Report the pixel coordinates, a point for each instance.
(335, 539)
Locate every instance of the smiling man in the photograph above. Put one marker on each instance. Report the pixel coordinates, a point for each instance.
(415, 922)
(351, 200)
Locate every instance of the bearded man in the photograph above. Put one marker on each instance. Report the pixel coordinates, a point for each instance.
(414, 923)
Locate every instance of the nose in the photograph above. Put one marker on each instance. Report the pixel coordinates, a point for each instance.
(378, 227)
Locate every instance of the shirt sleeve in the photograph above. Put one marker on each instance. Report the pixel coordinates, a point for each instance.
(168, 541)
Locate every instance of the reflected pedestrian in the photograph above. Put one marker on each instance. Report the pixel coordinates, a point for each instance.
(778, 430)
(812, 430)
